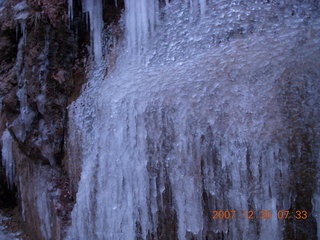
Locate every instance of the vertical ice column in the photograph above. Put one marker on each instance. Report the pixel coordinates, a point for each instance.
(70, 10)
(24, 120)
(141, 18)
(202, 7)
(7, 160)
(196, 5)
(44, 214)
(94, 8)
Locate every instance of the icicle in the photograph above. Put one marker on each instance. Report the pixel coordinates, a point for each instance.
(7, 159)
(70, 10)
(202, 7)
(191, 10)
(141, 18)
(24, 32)
(94, 9)
(195, 7)
(17, 31)
(316, 209)
(44, 214)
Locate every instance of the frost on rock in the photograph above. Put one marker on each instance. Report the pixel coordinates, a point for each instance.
(7, 159)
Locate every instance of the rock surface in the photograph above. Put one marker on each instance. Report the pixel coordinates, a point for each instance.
(41, 70)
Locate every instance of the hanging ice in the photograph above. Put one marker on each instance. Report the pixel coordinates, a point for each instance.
(198, 5)
(94, 9)
(7, 160)
(70, 10)
(202, 6)
(199, 125)
(141, 18)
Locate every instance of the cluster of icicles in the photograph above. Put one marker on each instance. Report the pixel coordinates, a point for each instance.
(186, 122)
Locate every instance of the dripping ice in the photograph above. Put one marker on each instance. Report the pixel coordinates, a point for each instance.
(94, 10)
(189, 118)
(141, 18)
(7, 159)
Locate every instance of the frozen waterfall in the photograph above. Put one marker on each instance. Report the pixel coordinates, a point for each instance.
(7, 160)
(216, 115)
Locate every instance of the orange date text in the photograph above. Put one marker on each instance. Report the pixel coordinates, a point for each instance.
(263, 214)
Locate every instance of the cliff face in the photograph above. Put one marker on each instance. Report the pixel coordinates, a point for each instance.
(43, 58)
(41, 71)
(221, 113)
(245, 134)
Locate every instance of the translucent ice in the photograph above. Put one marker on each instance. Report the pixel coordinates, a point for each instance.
(197, 124)
(7, 160)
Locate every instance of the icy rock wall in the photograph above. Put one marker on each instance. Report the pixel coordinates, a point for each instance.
(219, 113)
(36, 72)
(37, 61)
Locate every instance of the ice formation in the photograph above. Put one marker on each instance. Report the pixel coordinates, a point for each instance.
(94, 10)
(197, 125)
(7, 159)
(141, 18)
